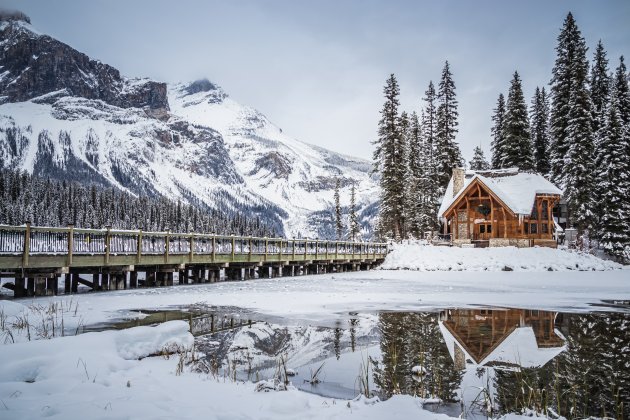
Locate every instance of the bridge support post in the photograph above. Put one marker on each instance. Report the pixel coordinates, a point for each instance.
(287, 271)
(234, 273)
(74, 283)
(105, 281)
(52, 286)
(40, 286)
(214, 275)
(66, 283)
(19, 290)
(96, 281)
(30, 287)
(149, 279)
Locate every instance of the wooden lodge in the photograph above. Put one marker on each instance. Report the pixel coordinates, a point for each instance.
(499, 208)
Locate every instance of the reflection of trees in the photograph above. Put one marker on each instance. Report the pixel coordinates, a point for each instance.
(590, 379)
(337, 341)
(414, 339)
(353, 333)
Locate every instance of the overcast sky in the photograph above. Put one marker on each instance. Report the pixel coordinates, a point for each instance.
(317, 68)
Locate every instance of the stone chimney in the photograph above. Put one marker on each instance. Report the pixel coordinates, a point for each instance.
(458, 180)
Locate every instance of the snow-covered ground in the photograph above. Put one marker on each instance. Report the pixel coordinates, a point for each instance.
(422, 257)
(98, 375)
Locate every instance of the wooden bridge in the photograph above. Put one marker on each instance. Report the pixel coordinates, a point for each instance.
(36, 258)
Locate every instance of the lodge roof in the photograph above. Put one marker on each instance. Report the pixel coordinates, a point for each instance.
(516, 189)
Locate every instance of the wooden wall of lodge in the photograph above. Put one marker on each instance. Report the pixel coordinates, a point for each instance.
(504, 224)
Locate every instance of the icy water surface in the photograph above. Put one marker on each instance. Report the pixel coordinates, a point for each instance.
(470, 362)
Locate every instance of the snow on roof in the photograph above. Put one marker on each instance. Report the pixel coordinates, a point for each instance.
(516, 189)
(519, 348)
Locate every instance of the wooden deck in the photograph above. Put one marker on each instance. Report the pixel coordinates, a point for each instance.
(105, 259)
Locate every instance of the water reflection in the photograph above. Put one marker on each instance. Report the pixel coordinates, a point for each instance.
(511, 337)
(475, 363)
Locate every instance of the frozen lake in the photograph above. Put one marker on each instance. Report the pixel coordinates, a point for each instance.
(475, 344)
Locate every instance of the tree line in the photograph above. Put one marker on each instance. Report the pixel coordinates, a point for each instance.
(576, 134)
(46, 202)
(414, 156)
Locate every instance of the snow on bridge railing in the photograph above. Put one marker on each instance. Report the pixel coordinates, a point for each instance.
(35, 240)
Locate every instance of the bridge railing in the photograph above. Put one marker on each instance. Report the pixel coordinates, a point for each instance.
(35, 240)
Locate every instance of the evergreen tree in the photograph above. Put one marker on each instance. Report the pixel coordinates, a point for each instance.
(388, 161)
(613, 184)
(447, 153)
(338, 215)
(498, 134)
(517, 147)
(429, 189)
(540, 131)
(622, 91)
(479, 162)
(563, 87)
(405, 172)
(600, 86)
(579, 161)
(413, 173)
(429, 121)
(355, 227)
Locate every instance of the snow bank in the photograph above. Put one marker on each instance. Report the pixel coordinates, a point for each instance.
(438, 258)
(90, 355)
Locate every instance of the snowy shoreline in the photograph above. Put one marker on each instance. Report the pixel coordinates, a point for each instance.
(105, 379)
(422, 257)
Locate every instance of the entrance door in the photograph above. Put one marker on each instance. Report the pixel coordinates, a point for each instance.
(484, 231)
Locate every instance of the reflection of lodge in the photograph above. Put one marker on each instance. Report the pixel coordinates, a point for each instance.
(501, 337)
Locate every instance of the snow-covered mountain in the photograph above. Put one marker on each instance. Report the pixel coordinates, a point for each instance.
(66, 116)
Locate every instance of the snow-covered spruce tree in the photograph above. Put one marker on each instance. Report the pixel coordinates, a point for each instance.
(539, 117)
(405, 172)
(429, 120)
(412, 176)
(354, 230)
(579, 161)
(563, 87)
(447, 153)
(613, 181)
(338, 215)
(623, 91)
(388, 161)
(599, 85)
(479, 161)
(498, 134)
(430, 187)
(518, 146)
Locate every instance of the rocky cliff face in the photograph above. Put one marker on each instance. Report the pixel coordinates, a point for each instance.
(34, 65)
(66, 116)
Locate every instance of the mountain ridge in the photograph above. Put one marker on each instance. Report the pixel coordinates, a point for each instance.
(66, 116)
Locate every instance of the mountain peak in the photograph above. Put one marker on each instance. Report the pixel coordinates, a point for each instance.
(201, 85)
(13, 15)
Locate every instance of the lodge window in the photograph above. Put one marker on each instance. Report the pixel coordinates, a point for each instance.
(485, 228)
(534, 215)
(545, 228)
(545, 210)
(533, 228)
